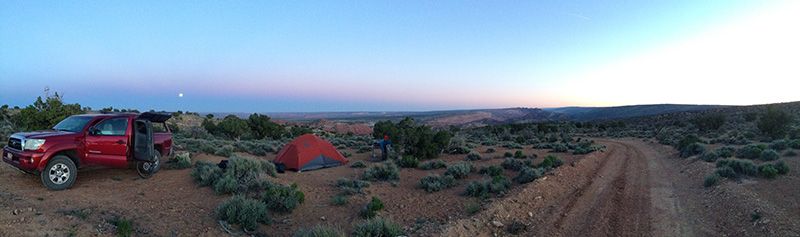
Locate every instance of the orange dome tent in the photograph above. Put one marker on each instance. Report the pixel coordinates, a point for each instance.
(309, 152)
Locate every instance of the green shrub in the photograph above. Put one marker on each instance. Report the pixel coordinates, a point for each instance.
(498, 185)
(477, 189)
(432, 165)
(372, 208)
(726, 171)
(364, 149)
(224, 151)
(779, 145)
(774, 122)
(244, 211)
(709, 122)
(435, 183)
(519, 155)
(490, 150)
(508, 154)
(386, 172)
(744, 167)
(491, 170)
(472, 207)
(749, 152)
(231, 127)
(377, 227)
(725, 152)
(459, 170)
(258, 147)
(226, 184)
(350, 187)
(282, 198)
(512, 145)
(560, 147)
(124, 226)
(769, 155)
(585, 148)
(711, 180)
(180, 161)
(527, 175)
(767, 171)
(550, 162)
(339, 200)
(346, 154)
(206, 173)
(709, 156)
(320, 231)
(512, 164)
(687, 141)
(241, 174)
(408, 162)
(794, 144)
(261, 127)
(358, 164)
(472, 156)
(782, 168)
(692, 150)
(457, 146)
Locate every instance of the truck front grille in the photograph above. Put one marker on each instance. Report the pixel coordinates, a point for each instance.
(15, 143)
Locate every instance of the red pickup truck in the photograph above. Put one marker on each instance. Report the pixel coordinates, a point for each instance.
(109, 140)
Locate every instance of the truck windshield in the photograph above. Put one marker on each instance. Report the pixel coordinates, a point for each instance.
(72, 124)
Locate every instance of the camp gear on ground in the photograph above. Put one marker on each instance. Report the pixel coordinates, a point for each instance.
(223, 164)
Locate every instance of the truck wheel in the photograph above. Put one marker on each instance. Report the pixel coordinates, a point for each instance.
(59, 174)
(148, 169)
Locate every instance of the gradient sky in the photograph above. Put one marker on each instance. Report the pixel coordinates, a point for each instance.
(290, 56)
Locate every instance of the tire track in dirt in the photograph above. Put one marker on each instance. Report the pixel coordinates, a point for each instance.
(570, 203)
(613, 202)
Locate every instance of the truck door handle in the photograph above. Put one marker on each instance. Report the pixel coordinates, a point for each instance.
(121, 142)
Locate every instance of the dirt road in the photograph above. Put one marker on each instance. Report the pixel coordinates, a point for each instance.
(634, 188)
(628, 194)
(606, 194)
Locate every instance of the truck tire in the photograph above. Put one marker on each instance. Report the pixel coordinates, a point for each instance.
(148, 169)
(59, 174)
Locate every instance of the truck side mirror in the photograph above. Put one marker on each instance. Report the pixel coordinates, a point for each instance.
(94, 131)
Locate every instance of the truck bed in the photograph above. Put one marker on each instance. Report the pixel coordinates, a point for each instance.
(163, 142)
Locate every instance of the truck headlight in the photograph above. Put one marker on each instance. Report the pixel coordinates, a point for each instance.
(32, 144)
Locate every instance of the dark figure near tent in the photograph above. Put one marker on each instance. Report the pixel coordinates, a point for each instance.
(385, 143)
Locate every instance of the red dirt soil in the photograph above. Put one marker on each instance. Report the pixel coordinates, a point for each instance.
(634, 188)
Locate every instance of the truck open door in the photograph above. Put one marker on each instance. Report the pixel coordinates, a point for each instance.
(148, 160)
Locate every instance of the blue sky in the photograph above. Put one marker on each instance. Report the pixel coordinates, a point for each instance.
(290, 56)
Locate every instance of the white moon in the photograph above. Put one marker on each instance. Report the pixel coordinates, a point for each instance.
(180, 94)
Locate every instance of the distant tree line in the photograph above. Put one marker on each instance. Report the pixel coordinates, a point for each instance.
(419, 141)
(256, 126)
(44, 113)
